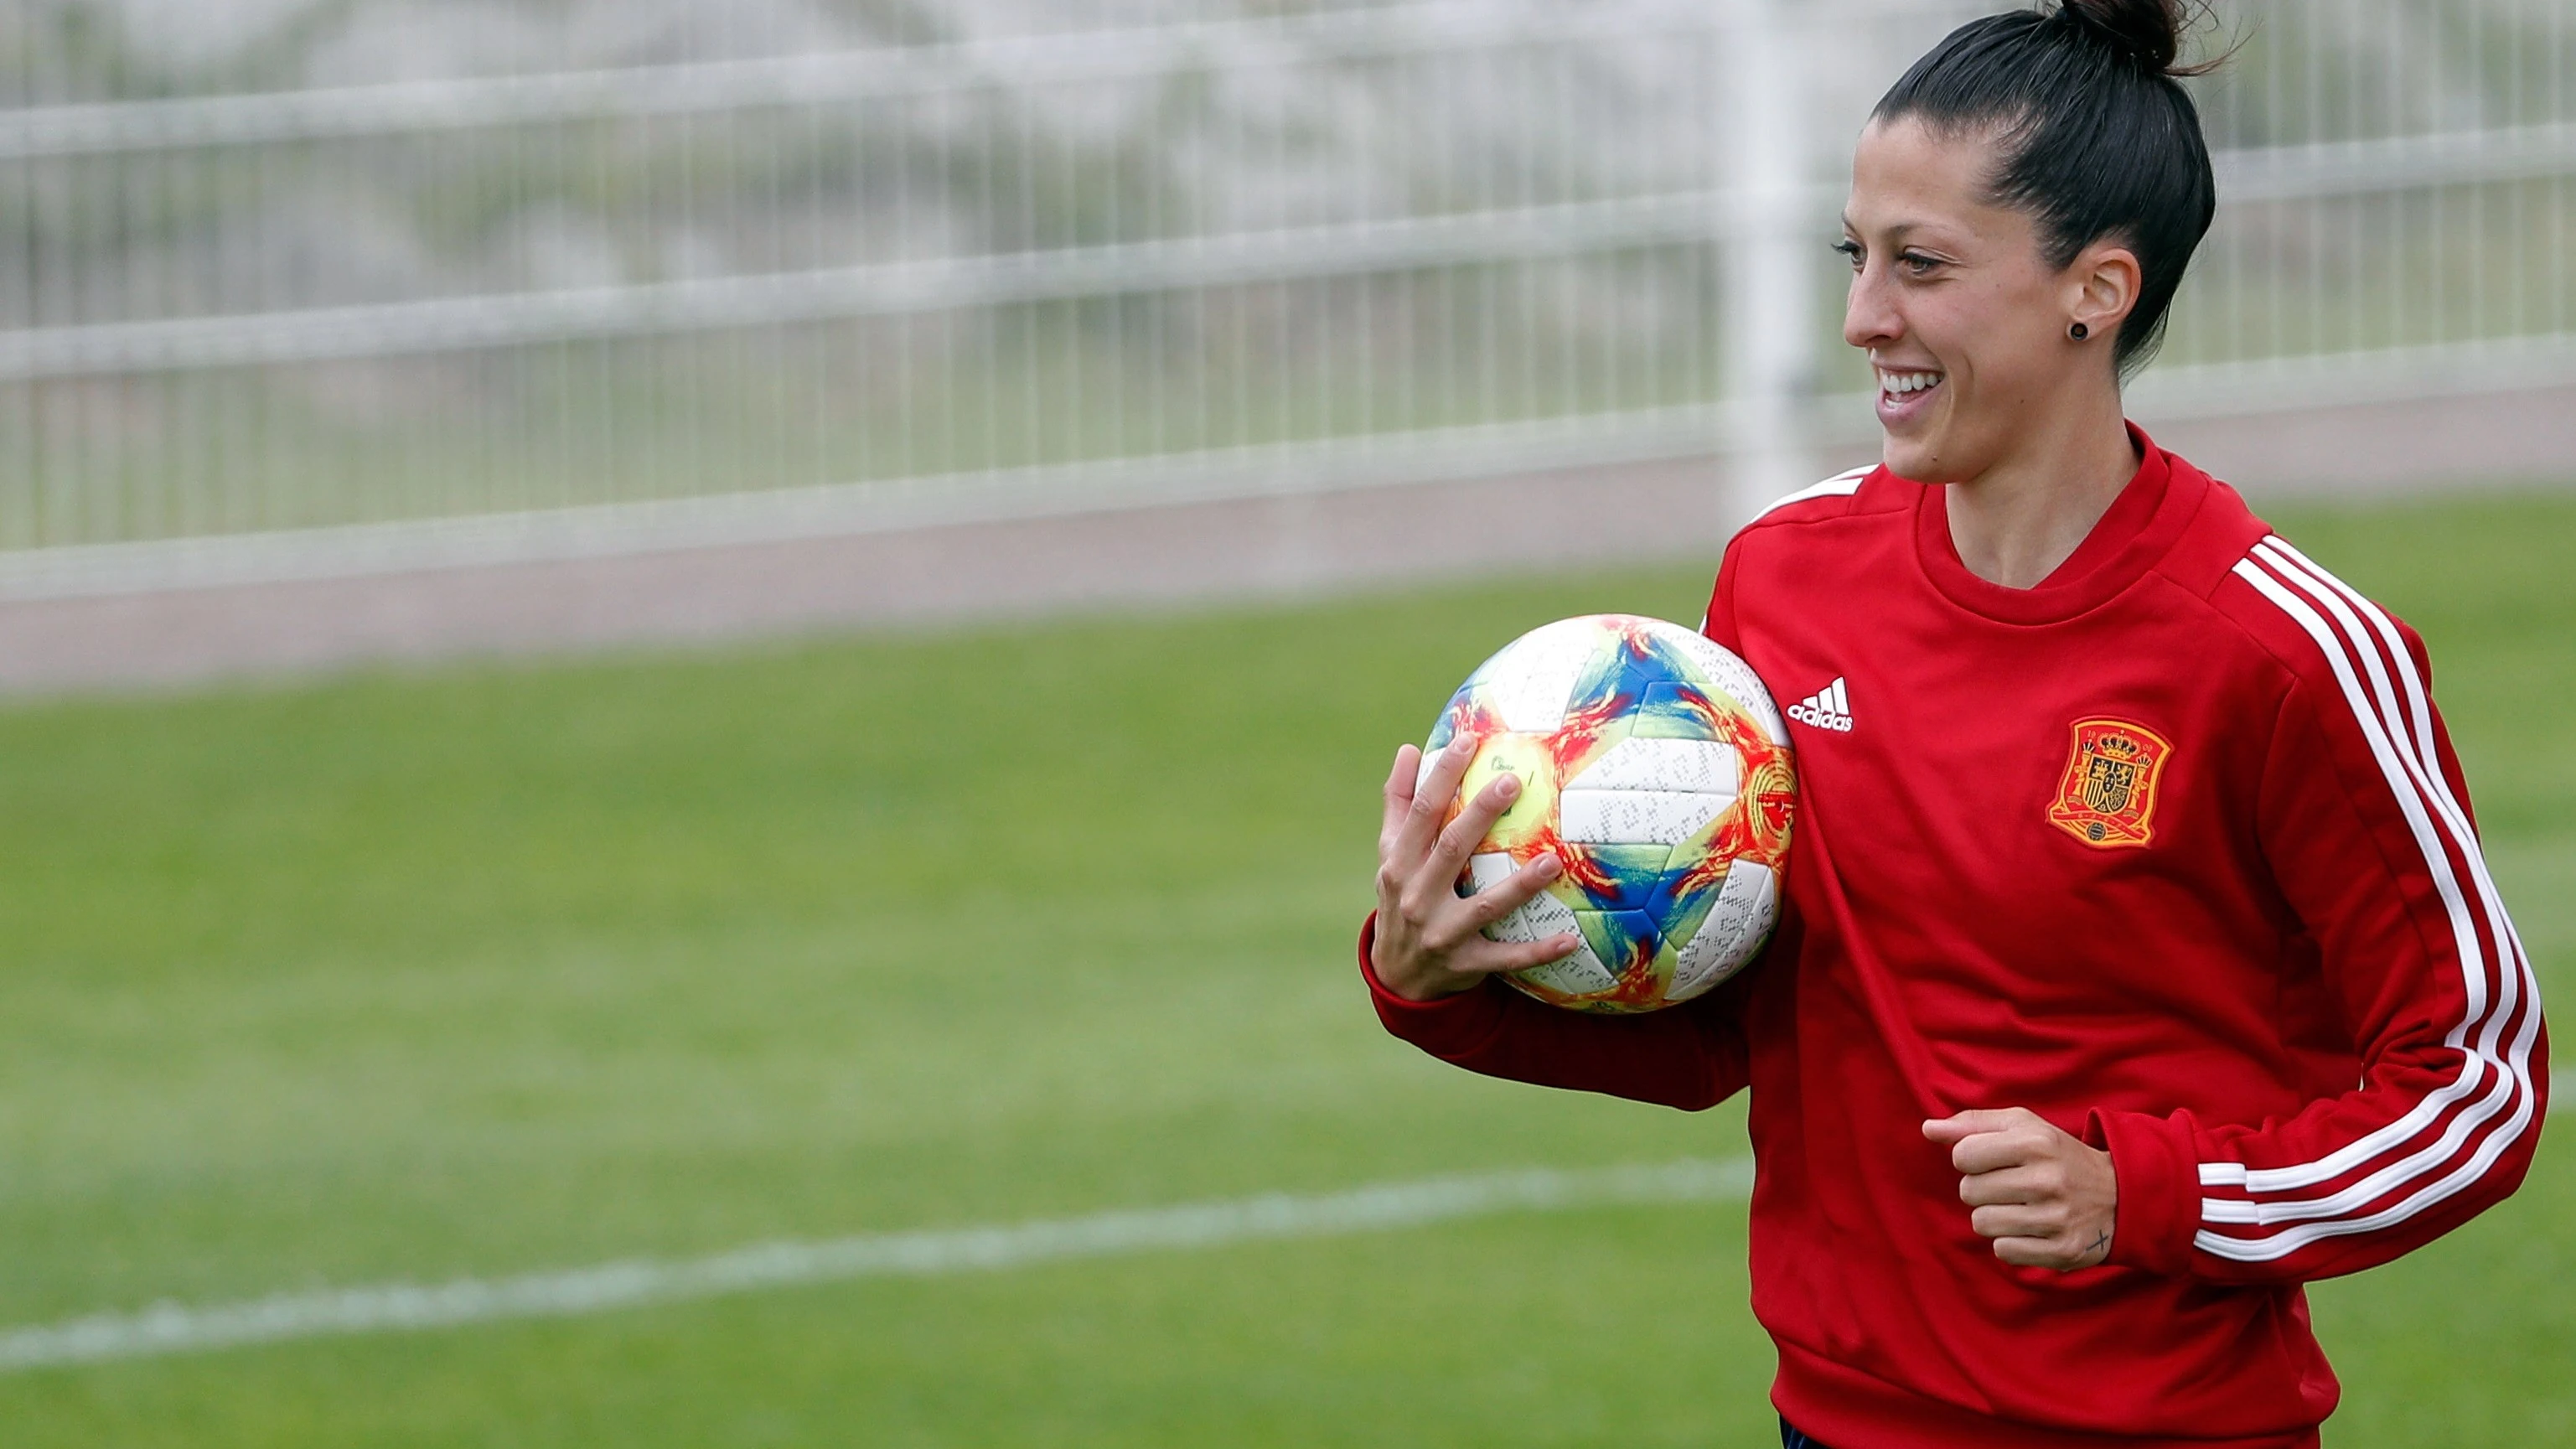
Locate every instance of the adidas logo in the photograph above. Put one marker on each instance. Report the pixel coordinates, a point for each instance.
(1826, 709)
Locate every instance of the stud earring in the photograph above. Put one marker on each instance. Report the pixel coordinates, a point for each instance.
(2079, 332)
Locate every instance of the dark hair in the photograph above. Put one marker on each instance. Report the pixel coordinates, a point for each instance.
(2097, 140)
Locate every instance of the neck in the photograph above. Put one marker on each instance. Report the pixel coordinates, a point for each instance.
(2017, 521)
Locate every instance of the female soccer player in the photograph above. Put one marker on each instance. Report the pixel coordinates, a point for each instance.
(2138, 962)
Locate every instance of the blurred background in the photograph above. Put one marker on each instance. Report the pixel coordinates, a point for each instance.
(862, 370)
(293, 291)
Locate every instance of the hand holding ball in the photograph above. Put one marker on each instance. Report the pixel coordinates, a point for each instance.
(1603, 814)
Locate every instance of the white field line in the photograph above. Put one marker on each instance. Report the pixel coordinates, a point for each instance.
(171, 1328)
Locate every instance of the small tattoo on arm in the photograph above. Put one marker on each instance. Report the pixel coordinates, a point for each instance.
(2101, 1247)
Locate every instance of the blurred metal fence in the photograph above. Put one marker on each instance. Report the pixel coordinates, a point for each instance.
(291, 289)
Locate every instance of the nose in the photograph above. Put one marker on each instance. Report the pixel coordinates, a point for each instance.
(1871, 317)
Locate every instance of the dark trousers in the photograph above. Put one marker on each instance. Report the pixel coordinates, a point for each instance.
(1790, 1438)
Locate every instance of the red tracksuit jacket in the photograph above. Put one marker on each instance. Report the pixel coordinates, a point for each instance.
(2171, 849)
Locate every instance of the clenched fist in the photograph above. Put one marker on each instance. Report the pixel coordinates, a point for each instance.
(2047, 1199)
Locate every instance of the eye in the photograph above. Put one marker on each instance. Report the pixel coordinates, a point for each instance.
(1918, 264)
(1851, 252)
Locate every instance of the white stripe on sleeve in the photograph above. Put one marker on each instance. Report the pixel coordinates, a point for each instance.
(1841, 485)
(2422, 793)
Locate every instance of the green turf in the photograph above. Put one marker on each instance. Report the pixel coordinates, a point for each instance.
(511, 968)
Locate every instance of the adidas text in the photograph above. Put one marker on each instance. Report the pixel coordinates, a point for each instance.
(1827, 709)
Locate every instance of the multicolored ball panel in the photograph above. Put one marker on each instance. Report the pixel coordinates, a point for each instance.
(1654, 765)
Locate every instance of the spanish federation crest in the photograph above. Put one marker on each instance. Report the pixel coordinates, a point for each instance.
(2108, 797)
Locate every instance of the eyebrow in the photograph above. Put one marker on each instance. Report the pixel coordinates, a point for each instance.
(1902, 228)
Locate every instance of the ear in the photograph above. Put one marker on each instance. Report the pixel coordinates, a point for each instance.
(2102, 287)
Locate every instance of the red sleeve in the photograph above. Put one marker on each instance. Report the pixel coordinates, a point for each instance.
(2363, 817)
(1690, 1056)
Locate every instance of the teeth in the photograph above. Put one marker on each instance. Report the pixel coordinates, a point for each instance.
(1900, 383)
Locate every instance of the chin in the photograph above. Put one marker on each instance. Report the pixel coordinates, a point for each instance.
(1937, 449)
(1916, 458)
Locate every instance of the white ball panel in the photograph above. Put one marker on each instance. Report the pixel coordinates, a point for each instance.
(1700, 767)
(1530, 682)
(1486, 871)
(1742, 912)
(1580, 974)
(1539, 918)
(1636, 817)
(1666, 631)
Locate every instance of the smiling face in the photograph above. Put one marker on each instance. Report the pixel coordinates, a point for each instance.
(1964, 321)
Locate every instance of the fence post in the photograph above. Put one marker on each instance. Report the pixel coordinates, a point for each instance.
(1769, 254)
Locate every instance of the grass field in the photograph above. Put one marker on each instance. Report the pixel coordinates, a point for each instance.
(505, 969)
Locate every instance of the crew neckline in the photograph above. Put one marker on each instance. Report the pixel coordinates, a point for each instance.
(2123, 544)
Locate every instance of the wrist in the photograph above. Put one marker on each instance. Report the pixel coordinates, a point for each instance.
(2156, 1192)
(2103, 1189)
(1421, 988)
(1420, 984)
(1447, 1027)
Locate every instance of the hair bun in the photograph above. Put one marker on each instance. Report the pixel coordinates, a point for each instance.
(2150, 30)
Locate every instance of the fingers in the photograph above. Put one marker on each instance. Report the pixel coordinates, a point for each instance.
(1997, 1151)
(2034, 1242)
(2045, 1197)
(2020, 1220)
(2065, 1253)
(1989, 1141)
(1449, 856)
(1947, 1130)
(1482, 957)
(2037, 1182)
(1399, 796)
(1429, 804)
(1457, 924)
(1510, 894)
(2028, 1252)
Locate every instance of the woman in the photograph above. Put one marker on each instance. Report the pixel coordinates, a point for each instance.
(2139, 963)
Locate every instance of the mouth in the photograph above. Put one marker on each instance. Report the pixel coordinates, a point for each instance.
(1906, 393)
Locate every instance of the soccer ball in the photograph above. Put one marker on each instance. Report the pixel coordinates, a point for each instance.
(1656, 768)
